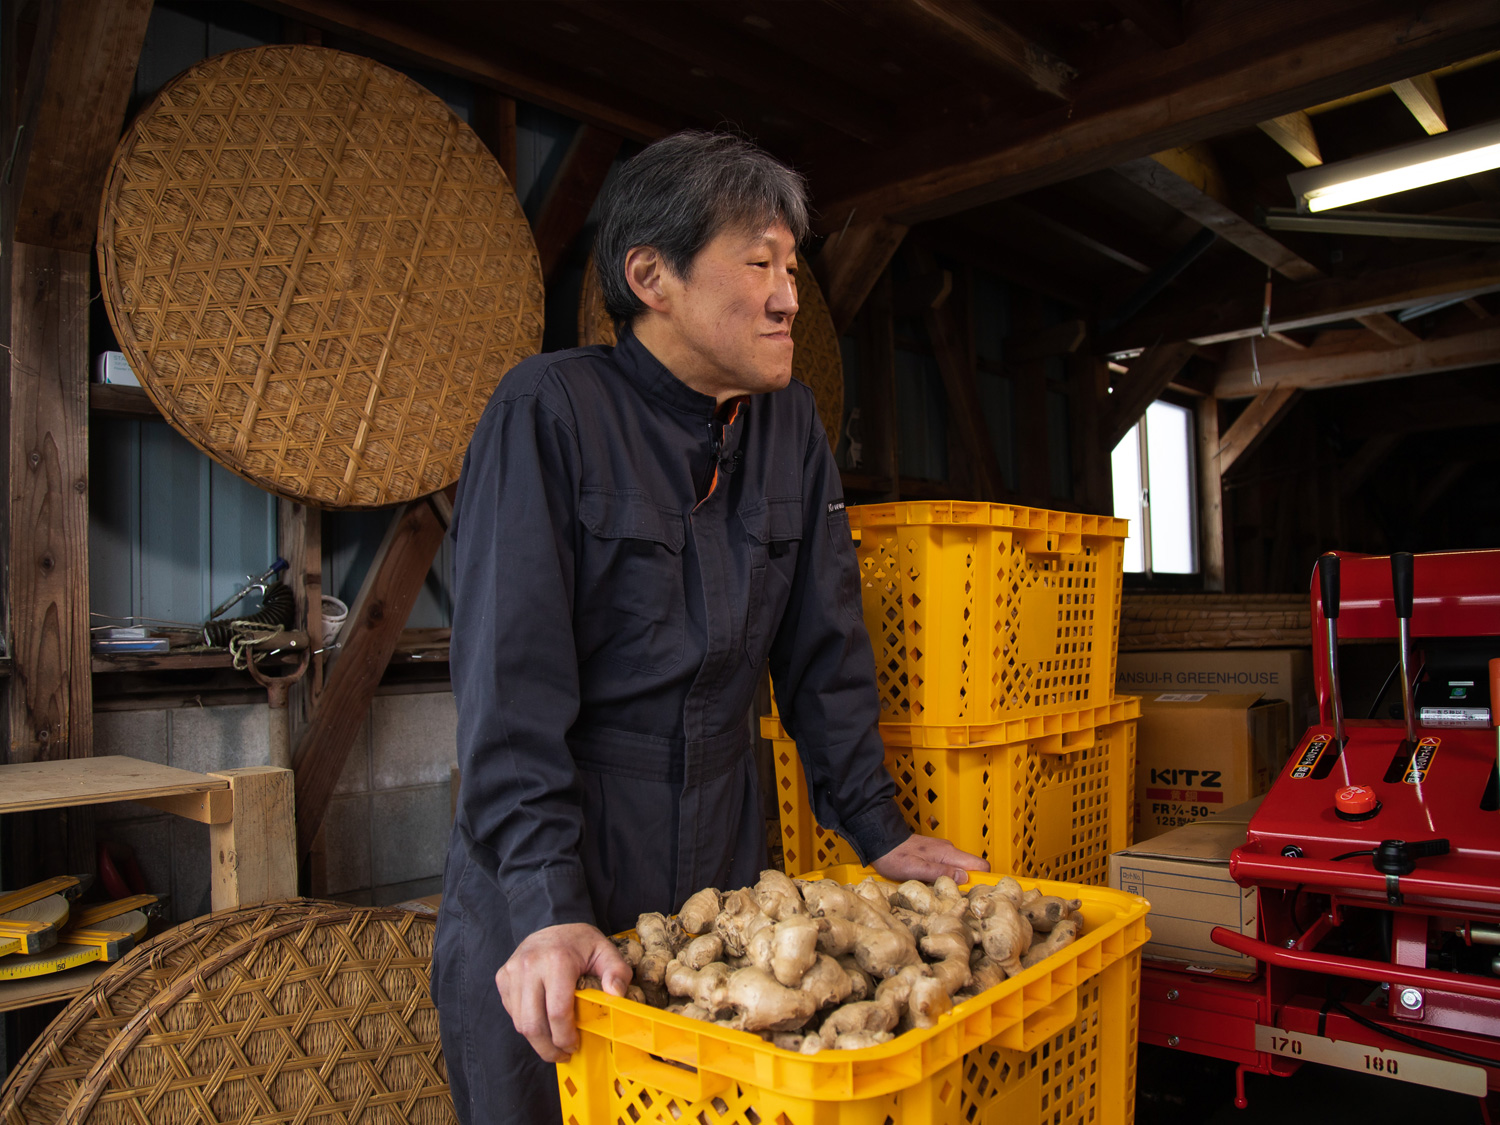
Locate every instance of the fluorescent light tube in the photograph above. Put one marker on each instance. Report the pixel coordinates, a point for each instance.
(1446, 156)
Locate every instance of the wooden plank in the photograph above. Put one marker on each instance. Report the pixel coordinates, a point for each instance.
(850, 263)
(951, 349)
(1189, 179)
(77, 104)
(50, 694)
(547, 85)
(95, 781)
(1236, 312)
(1159, 20)
(51, 988)
(1389, 329)
(1251, 427)
(571, 194)
(1420, 95)
(995, 42)
(375, 622)
(214, 807)
(1270, 60)
(1143, 385)
(121, 402)
(254, 854)
(1210, 495)
(1295, 133)
(1346, 362)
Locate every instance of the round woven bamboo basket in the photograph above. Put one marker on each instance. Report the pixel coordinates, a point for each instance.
(816, 359)
(317, 271)
(319, 1019)
(42, 1084)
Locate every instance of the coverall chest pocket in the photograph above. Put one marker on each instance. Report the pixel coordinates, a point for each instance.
(774, 528)
(630, 602)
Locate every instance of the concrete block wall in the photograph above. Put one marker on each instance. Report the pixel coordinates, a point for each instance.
(386, 833)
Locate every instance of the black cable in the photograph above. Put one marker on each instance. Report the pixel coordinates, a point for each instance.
(1381, 1029)
(1380, 695)
(1351, 855)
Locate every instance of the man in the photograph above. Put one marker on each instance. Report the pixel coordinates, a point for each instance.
(637, 531)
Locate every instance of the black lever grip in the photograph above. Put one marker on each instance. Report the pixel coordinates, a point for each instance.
(1428, 847)
(1328, 577)
(1401, 582)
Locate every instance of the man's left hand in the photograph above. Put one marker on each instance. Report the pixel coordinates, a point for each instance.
(926, 858)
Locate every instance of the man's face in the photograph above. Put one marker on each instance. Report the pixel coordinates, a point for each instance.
(732, 314)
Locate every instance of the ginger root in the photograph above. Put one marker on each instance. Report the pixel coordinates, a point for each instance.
(1062, 934)
(700, 910)
(1046, 911)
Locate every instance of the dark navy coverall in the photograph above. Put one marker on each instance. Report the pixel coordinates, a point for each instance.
(625, 563)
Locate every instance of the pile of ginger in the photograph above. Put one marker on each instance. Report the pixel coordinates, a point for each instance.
(811, 965)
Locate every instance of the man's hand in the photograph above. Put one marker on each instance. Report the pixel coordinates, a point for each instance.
(536, 984)
(925, 858)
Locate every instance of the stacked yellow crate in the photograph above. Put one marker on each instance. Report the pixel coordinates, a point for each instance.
(995, 630)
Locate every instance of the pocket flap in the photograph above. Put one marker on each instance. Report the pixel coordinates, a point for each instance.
(630, 515)
(773, 518)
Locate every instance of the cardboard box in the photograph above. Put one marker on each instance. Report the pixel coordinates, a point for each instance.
(110, 367)
(1184, 874)
(1276, 673)
(1198, 753)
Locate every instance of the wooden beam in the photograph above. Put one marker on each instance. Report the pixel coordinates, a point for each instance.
(950, 347)
(1143, 385)
(1476, 306)
(1354, 472)
(1273, 60)
(1189, 179)
(50, 690)
(495, 123)
(1420, 95)
(1210, 495)
(1088, 382)
(1389, 329)
(1294, 132)
(994, 41)
(1258, 420)
(1063, 338)
(370, 635)
(1346, 362)
(541, 83)
(254, 853)
(83, 79)
(1159, 20)
(850, 263)
(1236, 313)
(571, 195)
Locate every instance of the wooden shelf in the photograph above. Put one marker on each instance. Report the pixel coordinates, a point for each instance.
(88, 781)
(172, 661)
(49, 989)
(122, 402)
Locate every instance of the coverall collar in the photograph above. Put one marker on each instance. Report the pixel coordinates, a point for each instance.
(652, 376)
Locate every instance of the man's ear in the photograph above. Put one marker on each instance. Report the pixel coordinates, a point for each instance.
(645, 273)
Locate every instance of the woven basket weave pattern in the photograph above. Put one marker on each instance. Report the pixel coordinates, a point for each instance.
(318, 272)
(315, 1020)
(41, 1085)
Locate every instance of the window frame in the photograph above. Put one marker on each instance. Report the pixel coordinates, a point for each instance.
(1149, 578)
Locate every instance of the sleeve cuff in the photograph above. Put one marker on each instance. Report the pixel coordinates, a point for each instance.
(876, 831)
(557, 895)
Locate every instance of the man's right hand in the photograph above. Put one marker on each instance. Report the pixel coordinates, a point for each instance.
(536, 985)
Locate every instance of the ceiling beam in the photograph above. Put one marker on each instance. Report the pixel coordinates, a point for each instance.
(1294, 132)
(1259, 419)
(1420, 95)
(1190, 180)
(1159, 20)
(545, 84)
(1389, 329)
(993, 41)
(851, 262)
(571, 195)
(1348, 360)
(1302, 54)
(1236, 313)
(1148, 376)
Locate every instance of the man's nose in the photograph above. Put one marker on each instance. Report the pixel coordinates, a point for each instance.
(783, 300)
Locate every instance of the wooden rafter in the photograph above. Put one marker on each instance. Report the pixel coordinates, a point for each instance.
(996, 42)
(1420, 95)
(1210, 494)
(1149, 375)
(1159, 20)
(1389, 329)
(1295, 133)
(851, 262)
(1307, 59)
(571, 194)
(1258, 420)
(1348, 359)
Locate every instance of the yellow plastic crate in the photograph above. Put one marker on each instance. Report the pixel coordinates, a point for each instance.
(1052, 804)
(1055, 1044)
(980, 613)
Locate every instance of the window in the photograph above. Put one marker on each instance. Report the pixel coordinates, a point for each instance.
(1153, 476)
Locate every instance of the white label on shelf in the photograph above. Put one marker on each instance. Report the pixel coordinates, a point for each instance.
(1403, 1066)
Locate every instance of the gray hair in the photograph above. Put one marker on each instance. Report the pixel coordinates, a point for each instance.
(678, 194)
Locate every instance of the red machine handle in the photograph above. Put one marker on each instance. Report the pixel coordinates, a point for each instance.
(1354, 967)
(1248, 868)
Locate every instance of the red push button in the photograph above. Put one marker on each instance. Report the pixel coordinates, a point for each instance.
(1355, 800)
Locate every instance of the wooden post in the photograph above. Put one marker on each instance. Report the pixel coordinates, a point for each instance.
(879, 389)
(1088, 383)
(852, 261)
(495, 122)
(1210, 495)
(254, 855)
(572, 193)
